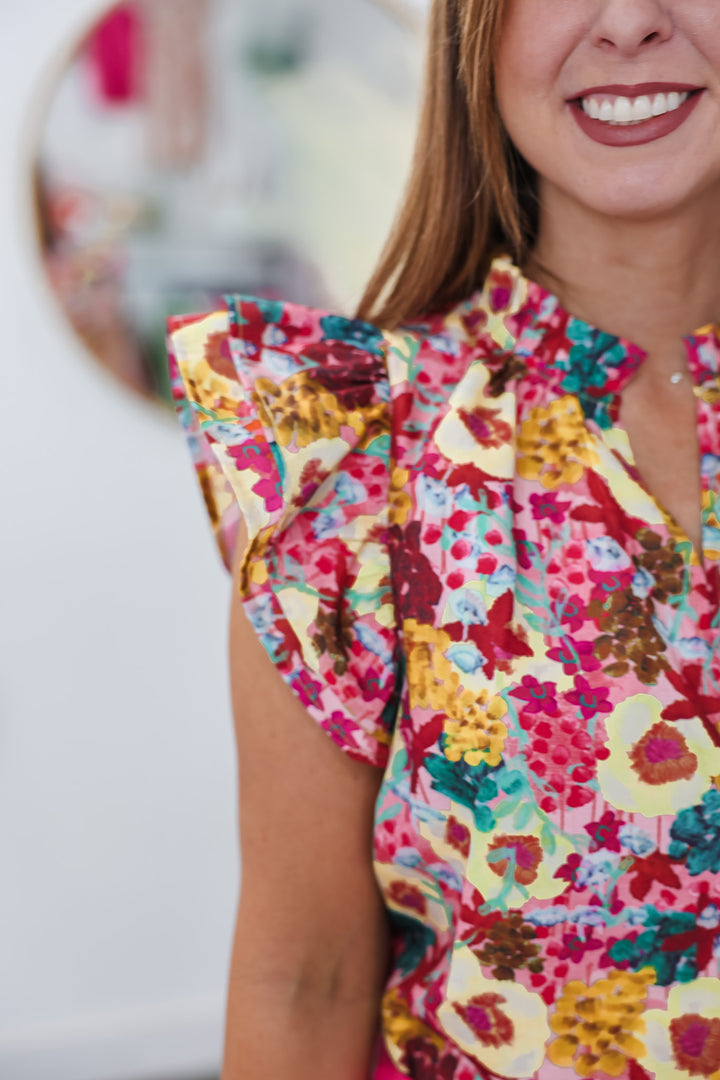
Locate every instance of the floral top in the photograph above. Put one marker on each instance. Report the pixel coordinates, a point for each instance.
(457, 568)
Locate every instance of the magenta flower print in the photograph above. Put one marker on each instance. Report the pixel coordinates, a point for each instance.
(696, 1044)
(500, 291)
(537, 696)
(662, 755)
(523, 852)
(486, 426)
(571, 612)
(574, 656)
(590, 700)
(604, 833)
(251, 455)
(574, 947)
(570, 871)
(484, 1015)
(548, 504)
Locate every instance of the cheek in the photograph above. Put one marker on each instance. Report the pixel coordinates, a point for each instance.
(518, 63)
(522, 81)
(539, 43)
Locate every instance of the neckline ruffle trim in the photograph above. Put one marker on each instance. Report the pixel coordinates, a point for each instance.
(584, 360)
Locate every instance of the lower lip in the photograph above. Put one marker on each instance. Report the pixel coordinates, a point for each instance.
(634, 134)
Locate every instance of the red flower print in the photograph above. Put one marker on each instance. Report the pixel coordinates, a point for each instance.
(662, 755)
(418, 587)
(313, 475)
(574, 947)
(487, 426)
(696, 1044)
(693, 703)
(538, 697)
(525, 851)
(426, 1062)
(457, 836)
(636, 1072)
(501, 286)
(656, 867)
(484, 1016)
(589, 700)
(500, 640)
(564, 757)
(702, 937)
(218, 355)
(548, 505)
(408, 896)
(604, 833)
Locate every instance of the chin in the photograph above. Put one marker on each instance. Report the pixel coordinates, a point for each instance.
(634, 206)
(638, 196)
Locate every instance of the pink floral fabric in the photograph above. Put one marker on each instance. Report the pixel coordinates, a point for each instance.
(455, 564)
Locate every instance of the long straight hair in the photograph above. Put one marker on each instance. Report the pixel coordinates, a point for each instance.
(469, 195)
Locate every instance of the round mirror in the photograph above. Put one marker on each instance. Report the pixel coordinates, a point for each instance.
(191, 148)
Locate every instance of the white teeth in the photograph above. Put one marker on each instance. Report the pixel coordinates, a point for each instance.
(642, 109)
(623, 110)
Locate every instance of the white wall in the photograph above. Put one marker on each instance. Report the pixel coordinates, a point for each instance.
(118, 867)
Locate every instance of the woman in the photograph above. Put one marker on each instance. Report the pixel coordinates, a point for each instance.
(484, 558)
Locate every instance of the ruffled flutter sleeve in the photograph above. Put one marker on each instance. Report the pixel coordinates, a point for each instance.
(287, 413)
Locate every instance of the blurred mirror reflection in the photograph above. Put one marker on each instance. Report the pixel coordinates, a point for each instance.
(191, 148)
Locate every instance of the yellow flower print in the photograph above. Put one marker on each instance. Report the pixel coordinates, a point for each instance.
(400, 1025)
(597, 1026)
(400, 501)
(683, 1042)
(711, 525)
(554, 444)
(434, 683)
(477, 733)
(655, 767)
(299, 407)
(709, 392)
(474, 729)
(501, 1024)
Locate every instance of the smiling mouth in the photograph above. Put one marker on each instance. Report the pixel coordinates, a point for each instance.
(625, 110)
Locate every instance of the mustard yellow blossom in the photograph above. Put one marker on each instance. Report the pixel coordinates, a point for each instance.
(399, 1024)
(553, 444)
(400, 501)
(597, 1026)
(474, 729)
(477, 733)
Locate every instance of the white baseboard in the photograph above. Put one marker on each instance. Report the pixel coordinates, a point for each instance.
(175, 1041)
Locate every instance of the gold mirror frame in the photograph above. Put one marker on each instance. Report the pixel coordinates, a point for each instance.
(97, 245)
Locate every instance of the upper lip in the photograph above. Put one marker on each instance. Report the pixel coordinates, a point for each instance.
(637, 90)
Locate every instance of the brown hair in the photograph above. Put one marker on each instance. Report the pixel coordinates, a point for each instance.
(470, 194)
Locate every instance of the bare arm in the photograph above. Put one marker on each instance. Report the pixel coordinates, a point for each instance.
(310, 951)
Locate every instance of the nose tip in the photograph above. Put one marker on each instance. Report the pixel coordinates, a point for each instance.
(632, 26)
